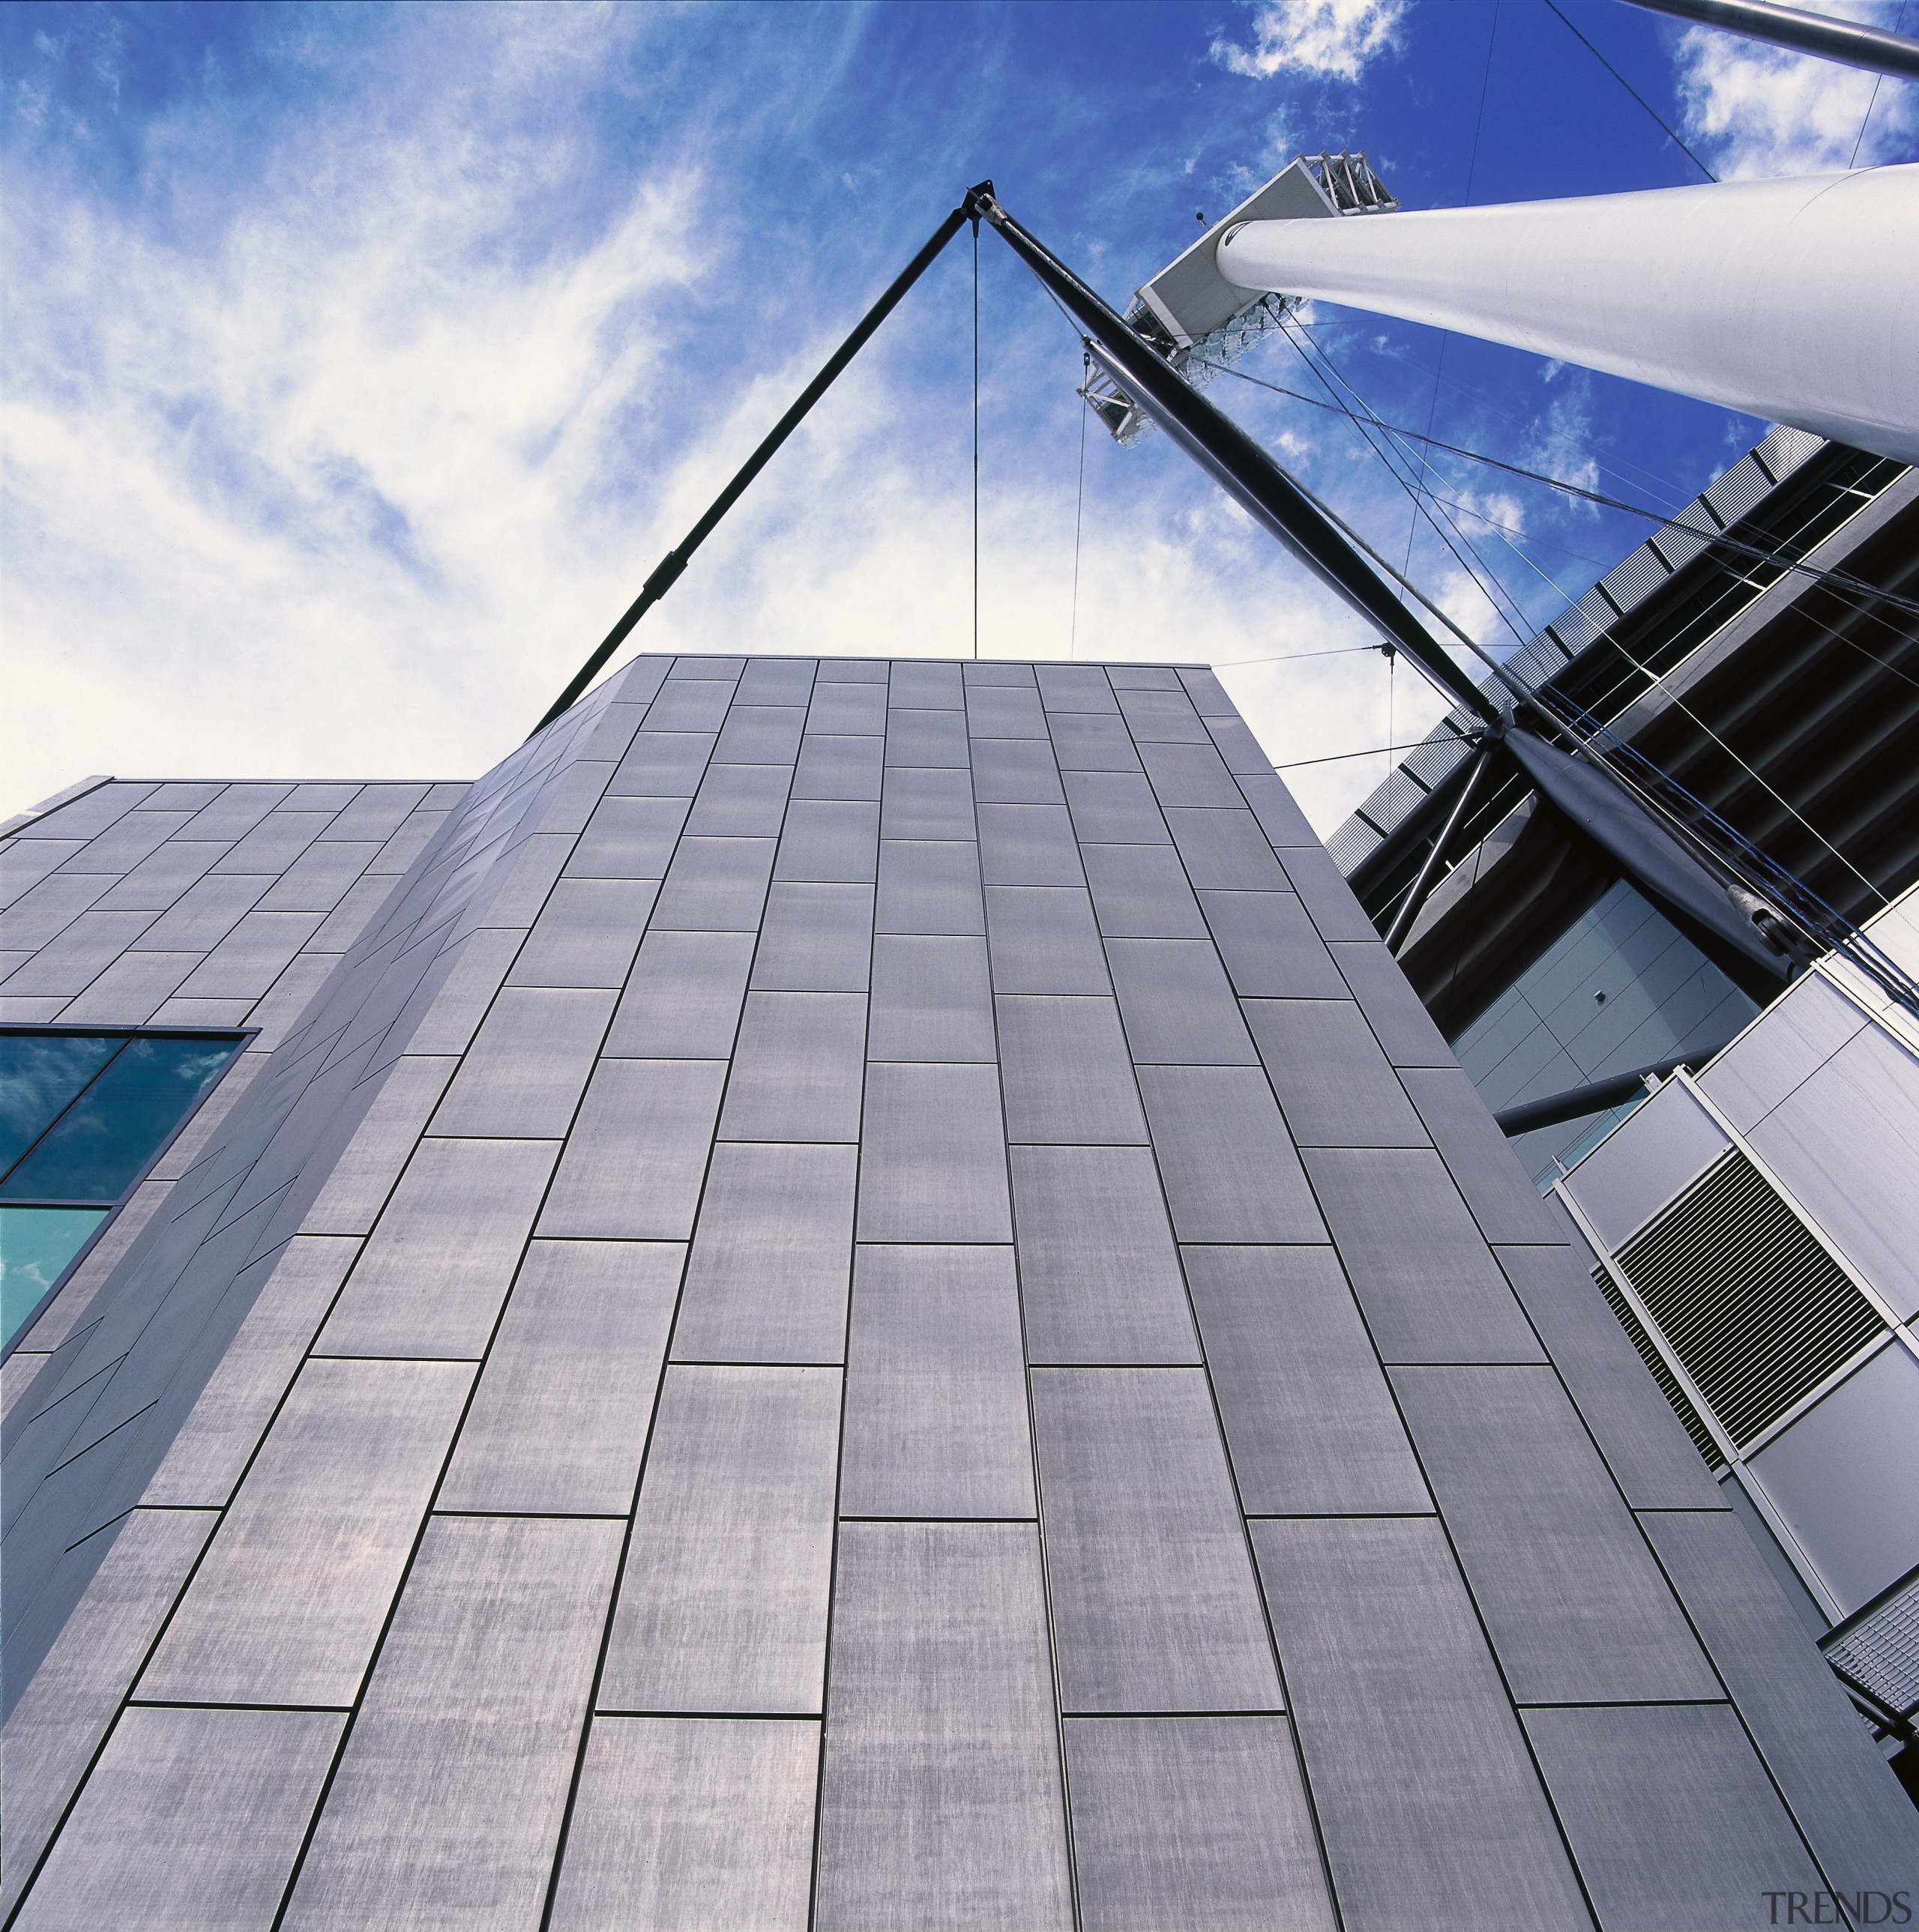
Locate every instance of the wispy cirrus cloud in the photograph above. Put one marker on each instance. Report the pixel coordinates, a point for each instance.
(1563, 439)
(282, 472)
(346, 473)
(358, 371)
(1326, 40)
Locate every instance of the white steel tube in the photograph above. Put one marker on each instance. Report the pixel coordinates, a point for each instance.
(1796, 301)
(1813, 34)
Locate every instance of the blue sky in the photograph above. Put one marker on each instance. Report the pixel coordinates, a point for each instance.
(359, 362)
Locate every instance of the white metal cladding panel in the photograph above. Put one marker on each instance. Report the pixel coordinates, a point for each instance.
(805, 1521)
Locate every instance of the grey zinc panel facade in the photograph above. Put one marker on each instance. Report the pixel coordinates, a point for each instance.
(685, 1823)
(849, 1293)
(1192, 1821)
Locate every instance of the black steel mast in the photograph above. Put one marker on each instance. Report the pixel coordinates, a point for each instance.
(666, 573)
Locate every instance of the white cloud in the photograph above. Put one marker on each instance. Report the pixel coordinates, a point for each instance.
(1497, 507)
(348, 481)
(271, 495)
(1330, 39)
(1760, 111)
(1562, 443)
(353, 493)
(1466, 601)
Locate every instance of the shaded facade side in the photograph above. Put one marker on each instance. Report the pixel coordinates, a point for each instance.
(143, 903)
(98, 1387)
(1786, 704)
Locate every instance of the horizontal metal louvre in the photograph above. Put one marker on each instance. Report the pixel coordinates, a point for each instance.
(1543, 659)
(1400, 796)
(1668, 1382)
(1785, 449)
(1351, 843)
(1433, 758)
(1580, 623)
(1636, 576)
(1881, 1650)
(1738, 490)
(1757, 1312)
(1681, 547)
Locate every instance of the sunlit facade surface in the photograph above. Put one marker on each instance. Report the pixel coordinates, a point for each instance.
(859, 1297)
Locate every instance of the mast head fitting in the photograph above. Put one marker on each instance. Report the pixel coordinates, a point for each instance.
(978, 202)
(1189, 299)
(1200, 322)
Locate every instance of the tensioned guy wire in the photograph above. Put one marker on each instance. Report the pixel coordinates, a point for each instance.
(1507, 611)
(1834, 583)
(1291, 657)
(1727, 854)
(1898, 20)
(1330, 375)
(1618, 467)
(1803, 615)
(1334, 758)
(1446, 339)
(1637, 96)
(1578, 722)
(1078, 515)
(1836, 580)
(976, 438)
(1654, 677)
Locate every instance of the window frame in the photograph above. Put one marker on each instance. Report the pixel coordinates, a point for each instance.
(238, 1040)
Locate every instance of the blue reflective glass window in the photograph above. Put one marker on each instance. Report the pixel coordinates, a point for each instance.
(40, 1074)
(36, 1244)
(98, 1147)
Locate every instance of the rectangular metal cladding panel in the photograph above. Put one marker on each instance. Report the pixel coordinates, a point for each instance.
(1668, 1812)
(407, 956)
(56, 1728)
(942, 1797)
(1852, 1810)
(1193, 1821)
(449, 1797)
(190, 1819)
(683, 1823)
(865, 1302)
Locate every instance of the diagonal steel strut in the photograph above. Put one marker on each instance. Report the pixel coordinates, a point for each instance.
(1234, 460)
(667, 572)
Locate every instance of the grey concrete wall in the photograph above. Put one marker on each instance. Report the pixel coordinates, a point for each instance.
(919, 1331)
